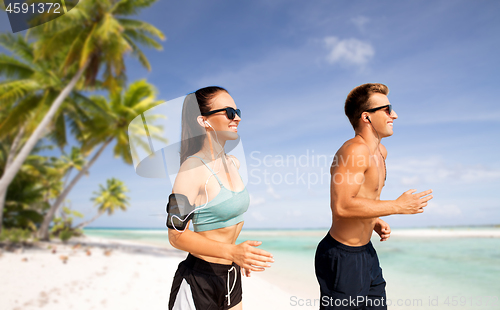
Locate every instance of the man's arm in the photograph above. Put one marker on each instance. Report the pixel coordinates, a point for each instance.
(347, 179)
(382, 229)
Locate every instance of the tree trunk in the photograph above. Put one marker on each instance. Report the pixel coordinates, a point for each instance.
(14, 147)
(43, 232)
(8, 162)
(81, 225)
(11, 171)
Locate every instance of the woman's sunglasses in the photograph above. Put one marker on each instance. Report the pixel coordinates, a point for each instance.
(389, 110)
(230, 112)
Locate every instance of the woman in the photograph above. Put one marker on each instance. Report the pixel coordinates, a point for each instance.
(209, 182)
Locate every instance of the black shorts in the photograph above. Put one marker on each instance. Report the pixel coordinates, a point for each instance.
(349, 277)
(199, 284)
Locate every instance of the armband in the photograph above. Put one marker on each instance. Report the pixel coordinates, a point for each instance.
(179, 210)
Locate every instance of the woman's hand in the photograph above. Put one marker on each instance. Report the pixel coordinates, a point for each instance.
(247, 256)
(245, 272)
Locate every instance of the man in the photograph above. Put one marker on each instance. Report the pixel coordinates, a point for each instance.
(346, 263)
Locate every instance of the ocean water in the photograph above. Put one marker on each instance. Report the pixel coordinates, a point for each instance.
(422, 272)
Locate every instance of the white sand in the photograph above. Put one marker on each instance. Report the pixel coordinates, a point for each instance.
(138, 276)
(447, 232)
(132, 276)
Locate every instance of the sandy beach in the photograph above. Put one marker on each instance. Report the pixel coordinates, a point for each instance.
(101, 273)
(95, 273)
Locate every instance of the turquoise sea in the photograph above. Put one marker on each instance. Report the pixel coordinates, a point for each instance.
(422, 272)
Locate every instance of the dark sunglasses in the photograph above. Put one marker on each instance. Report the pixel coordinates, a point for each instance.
(389, 110)
(230, 112)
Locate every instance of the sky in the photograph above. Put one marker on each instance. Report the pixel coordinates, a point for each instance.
(289, 66)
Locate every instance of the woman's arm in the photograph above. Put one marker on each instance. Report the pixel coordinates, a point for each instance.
(244, 254)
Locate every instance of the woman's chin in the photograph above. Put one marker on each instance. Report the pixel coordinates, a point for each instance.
(228, 135)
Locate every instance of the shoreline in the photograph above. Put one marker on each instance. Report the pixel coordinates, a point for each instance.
(479, 231)
(129, 273)
(94, 272)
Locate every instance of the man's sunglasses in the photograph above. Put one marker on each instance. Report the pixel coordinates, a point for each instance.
(389, 110)
(230, 112)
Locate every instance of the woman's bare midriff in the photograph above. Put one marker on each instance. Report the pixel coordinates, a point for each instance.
(225, 235)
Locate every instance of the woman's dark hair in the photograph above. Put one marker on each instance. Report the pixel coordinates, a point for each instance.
(195, 104)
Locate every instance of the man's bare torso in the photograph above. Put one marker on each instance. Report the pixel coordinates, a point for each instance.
(358, 231)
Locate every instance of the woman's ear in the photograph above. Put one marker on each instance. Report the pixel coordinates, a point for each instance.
(201, 121)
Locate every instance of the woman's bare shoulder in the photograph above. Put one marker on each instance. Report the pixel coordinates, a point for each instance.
(236, 161)
(188, 180)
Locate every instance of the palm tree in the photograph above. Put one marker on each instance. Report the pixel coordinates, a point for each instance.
(30, 87)
(26, 94)
(95, 34)
(109, 120)
(109, 199)
(28, 196)
(67, 162)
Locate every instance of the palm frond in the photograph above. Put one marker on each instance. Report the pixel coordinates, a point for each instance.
(142, 39)
(11, 68)
(88, 48)
(137, 91)
(131, 7)
(58, 134)
(136, 51)
(17, 45)
(141, 27)
(17, 89)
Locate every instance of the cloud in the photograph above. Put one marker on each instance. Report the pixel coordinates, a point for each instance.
(410, 180)
(272, 192)
(447, 210)
(360, 22)
(349, 51)
(412, 171)
(294, 213)
(255, 201)
(258, 216)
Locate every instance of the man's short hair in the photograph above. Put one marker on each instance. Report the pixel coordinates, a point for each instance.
(357, 100)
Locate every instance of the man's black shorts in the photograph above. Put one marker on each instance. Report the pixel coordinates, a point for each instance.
(349, 277)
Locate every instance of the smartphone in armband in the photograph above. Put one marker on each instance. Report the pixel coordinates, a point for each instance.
(180, 211)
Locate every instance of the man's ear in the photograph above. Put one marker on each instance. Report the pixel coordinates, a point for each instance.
(201, 121)
(365, 118)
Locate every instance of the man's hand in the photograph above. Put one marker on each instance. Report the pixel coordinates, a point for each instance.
(382, 229)
(410, 203)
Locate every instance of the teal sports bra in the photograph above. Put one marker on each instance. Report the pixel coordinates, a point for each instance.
(224, 210)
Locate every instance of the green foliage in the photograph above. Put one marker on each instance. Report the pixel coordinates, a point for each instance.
(95, 34)
(112, 118)
(14, 236)
(66, 234)
(92, 38)
(28, 194)
(63, 226)
(111, 197)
